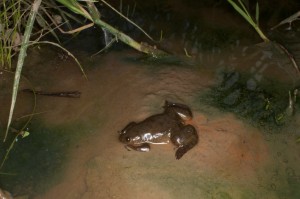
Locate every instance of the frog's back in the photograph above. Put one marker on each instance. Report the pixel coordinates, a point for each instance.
(159, 122)
(156, 129)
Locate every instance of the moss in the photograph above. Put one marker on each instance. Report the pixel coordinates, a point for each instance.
(262, 106)
(37, 161)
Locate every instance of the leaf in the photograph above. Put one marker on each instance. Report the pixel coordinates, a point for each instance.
(75, 7)
(257, 13)
(242, 12)
(30, 21)
(71, 4)
(244, 8)
(25, 134)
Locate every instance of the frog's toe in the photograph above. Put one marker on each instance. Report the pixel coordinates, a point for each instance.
(180, 152)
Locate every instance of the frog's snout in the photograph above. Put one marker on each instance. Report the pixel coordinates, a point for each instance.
(124, 139)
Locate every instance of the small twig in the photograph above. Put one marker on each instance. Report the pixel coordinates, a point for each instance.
(288, 20)
(30, 115)
(289, 55)
(70, 94)
(106, 47)
(64, 49)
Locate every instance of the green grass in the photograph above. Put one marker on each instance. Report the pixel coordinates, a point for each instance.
(242, 10)
(10, 28)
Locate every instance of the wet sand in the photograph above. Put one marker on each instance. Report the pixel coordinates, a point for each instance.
(227, 160)
(232, 159)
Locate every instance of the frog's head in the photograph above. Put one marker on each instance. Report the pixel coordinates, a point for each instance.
(129, 138)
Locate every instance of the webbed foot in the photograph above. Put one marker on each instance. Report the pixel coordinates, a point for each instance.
(181, 151)
(186, 139)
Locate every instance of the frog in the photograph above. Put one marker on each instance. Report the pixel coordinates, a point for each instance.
(163, 128)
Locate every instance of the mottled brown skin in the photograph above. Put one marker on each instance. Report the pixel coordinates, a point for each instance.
(162, 128)
(185, 140)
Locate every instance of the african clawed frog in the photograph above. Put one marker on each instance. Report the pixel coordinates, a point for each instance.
(162, 128)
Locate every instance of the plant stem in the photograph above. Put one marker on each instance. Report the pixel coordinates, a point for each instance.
(261, 34)
(21, 58)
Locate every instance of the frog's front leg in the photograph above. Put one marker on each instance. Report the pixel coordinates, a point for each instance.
(185, 140)
(145, 147)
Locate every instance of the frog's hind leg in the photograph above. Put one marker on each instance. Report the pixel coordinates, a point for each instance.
(182, 150)
(185, 140)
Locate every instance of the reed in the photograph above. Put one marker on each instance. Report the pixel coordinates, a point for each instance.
(10, 27)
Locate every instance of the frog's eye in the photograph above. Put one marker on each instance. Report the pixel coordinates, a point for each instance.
(127, 139)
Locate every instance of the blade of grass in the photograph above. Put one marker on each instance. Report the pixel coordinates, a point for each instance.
(244, 8)
(126, 18)
(241, 12)
(68, 52)
(133, 10)
(46, 26)
(75, 7)
(21, 58)
(245, 14)
(257, 13)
